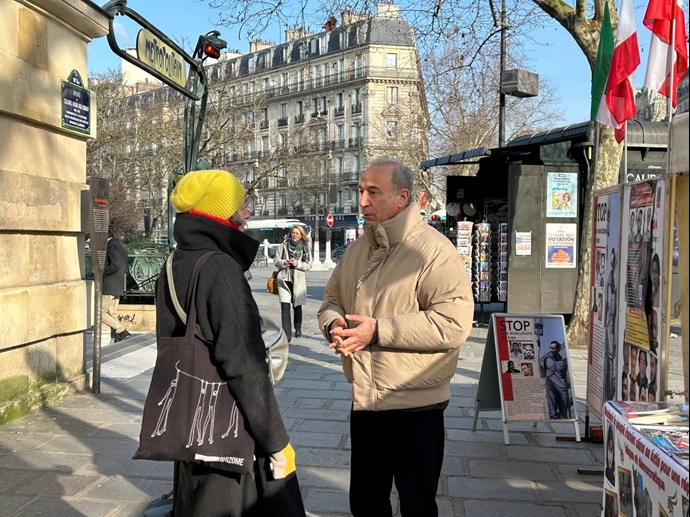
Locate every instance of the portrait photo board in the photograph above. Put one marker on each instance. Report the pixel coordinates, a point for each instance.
(522, 376)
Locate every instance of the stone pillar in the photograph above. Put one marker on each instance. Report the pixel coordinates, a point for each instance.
(43, 294)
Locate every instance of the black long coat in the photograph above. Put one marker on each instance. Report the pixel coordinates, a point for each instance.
(115, 268)
(229, 318)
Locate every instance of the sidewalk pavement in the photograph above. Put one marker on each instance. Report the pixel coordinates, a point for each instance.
(74, 458)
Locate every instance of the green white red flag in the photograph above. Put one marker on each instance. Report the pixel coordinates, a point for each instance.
(616, 70)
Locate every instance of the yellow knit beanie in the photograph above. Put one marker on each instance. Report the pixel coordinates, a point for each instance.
(216, 193)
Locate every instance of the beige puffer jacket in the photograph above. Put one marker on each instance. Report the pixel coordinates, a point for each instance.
(409, 277)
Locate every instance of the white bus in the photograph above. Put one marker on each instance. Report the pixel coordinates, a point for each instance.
(271, 232)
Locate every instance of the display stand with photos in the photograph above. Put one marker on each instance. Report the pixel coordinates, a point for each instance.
(526, 372)
(646, 459)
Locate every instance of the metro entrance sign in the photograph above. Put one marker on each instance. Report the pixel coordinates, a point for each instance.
(329, 220)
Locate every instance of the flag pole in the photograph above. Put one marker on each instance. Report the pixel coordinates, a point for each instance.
(669, 67)
(670, 210)
(625, 151)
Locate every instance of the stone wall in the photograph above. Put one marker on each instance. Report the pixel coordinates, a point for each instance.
(44, 299)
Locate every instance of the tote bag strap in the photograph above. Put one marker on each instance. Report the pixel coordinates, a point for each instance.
(192, 328)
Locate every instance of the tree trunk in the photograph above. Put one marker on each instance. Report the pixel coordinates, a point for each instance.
(604, 173)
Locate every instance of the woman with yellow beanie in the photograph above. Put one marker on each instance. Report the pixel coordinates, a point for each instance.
(212, 213)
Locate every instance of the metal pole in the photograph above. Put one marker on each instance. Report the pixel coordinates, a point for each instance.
(502, 68)
(97, 323)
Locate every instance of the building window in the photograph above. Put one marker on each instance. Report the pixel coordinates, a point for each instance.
(339, 100)
(284, 110)
(265, 83)
(284, 79)
(265, 144)
(314, 47)
(392, 95)
(299, 107)
(392, 60)
(391, 129)
(359, 65)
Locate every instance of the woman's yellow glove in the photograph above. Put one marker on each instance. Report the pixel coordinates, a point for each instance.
(282, 463)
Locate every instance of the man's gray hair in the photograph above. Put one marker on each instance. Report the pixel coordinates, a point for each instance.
(403, 176)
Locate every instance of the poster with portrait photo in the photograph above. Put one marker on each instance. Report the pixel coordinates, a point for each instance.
(537, 345)
(610, 504)
(602, 373)
(641, 281)
(561, 194)
(625, 492)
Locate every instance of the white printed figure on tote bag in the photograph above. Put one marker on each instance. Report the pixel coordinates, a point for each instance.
(205, 413)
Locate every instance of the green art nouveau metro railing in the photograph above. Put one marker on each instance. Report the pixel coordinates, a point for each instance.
(145, 264)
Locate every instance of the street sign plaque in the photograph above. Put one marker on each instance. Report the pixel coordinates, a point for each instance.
(329, 220)
(360, 221)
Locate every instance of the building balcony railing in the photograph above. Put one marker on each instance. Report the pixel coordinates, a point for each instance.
(355, 141)
(252, 155)
(356, 74)
(339, 112)
(357, 108)
(299, 119)
(338, 144)
(282, 122)
(349, 176)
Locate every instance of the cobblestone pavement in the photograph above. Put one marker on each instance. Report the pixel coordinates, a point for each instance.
(73, 459)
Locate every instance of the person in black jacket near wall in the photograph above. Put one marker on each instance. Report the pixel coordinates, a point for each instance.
(114, 285)
(212, 213)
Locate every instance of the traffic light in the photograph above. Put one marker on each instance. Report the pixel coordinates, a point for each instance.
(211, 51)
(210, 45)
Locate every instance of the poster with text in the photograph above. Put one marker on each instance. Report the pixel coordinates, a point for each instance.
(640, 292)
(533, 363)
(561, 194)
(640, 478)
(604, 278)
(560, 245)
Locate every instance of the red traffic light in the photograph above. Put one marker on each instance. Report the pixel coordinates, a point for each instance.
(211, 51)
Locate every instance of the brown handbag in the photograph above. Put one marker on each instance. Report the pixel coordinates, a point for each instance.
(272, 283)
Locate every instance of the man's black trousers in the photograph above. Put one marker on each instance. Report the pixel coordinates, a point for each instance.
(397, 445)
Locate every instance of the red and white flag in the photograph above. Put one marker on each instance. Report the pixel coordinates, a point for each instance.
(658, 20)
(619, 96)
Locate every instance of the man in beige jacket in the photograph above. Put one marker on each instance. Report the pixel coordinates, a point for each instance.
(397, 308)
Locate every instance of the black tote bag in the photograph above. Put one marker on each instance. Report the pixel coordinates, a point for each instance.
(190, 414)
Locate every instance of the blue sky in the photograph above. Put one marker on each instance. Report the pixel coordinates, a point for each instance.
(557, 58)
